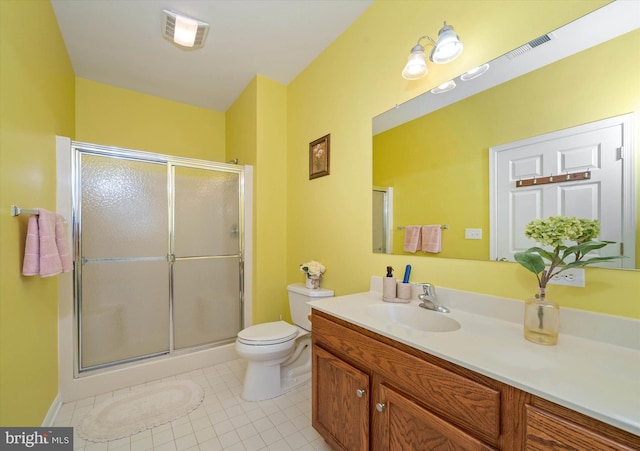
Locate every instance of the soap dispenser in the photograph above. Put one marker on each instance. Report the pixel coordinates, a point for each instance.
(389, 286)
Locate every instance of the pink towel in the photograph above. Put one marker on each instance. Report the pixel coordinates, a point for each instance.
(46, 252)
(412, 238)
(432, 238)
(31, 263)
(61, 242)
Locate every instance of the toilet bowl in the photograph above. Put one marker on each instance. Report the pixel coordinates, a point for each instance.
(278, 354)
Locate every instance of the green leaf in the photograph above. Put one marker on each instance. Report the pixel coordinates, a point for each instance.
(591, 261)
(585, 248)
(531, 261)
(542, 252)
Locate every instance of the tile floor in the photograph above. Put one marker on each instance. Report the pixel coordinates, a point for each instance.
(224, 421)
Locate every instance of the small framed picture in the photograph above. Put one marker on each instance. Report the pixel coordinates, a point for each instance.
(319, 157)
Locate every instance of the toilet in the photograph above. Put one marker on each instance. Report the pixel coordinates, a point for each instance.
(278, 354)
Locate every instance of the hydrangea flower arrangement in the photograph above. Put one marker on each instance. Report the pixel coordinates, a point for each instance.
(312, 268)
(554, 232)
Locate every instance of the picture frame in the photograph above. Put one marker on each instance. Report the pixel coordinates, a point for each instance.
(319, 157)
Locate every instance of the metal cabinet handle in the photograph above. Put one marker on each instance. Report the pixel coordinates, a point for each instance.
(360, 393)
(380, 407)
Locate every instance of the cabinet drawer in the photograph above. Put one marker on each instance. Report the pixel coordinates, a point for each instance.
(461, 401)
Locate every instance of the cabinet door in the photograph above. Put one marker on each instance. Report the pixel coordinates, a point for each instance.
(340, 400)
(401, 424)
(545, 431)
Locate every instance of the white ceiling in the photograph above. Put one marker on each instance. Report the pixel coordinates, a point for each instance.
(119, 42)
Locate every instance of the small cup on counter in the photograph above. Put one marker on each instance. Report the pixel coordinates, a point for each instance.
(403, 291)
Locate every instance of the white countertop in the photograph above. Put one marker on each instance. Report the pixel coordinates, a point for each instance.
(582, 372)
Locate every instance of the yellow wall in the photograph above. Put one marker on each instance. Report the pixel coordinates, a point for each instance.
(358, 77)
(441, 160)
(271, 203)
(241, 126)
(118, 117)
(296, 219)
(37, 86)
(256, 131)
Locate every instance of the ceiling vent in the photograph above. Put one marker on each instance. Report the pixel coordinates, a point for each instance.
(185, 32)
(530, 45)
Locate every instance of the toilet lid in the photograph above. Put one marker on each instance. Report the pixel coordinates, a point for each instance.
(268, 333)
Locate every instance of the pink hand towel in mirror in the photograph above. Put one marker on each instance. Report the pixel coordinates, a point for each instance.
(412, 238)
(432, 238)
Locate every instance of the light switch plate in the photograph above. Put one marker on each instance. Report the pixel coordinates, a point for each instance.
(472, 234)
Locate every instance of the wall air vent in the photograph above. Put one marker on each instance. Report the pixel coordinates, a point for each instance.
(530, 45)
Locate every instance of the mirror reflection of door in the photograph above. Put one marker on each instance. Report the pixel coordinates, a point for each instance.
(598, 147)
(382, 220)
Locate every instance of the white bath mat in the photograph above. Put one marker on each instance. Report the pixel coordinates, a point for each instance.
(140, 409)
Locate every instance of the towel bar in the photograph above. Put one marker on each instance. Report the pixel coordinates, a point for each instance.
(17, 211)
(445, 226)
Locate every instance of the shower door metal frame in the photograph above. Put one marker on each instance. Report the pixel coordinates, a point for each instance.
(171, 162)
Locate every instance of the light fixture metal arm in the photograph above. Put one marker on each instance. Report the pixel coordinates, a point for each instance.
(419, 46)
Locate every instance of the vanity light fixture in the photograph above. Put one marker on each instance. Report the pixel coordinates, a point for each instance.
(446, 49)
(186, 32)
(474, 73)
(444, 87)
(416, 66)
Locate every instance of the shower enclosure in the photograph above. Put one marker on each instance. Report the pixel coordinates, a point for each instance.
(159, 255)
(382, 220)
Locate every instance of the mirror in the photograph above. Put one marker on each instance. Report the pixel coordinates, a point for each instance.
(433, 151)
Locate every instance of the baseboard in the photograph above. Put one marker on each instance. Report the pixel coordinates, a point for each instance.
(50, 418)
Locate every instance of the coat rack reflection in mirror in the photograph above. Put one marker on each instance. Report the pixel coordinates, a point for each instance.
(576, 176)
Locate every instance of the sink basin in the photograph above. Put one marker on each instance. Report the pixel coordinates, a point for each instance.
(414, 317)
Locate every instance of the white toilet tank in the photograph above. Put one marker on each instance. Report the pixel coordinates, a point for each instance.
(299, 295)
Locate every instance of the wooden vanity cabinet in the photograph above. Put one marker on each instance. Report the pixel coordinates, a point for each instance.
(373, 393)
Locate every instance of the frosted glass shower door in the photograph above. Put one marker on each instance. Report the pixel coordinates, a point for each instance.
(207, 267)
(124, 276)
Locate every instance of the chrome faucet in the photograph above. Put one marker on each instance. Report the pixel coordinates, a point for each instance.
(429, 299)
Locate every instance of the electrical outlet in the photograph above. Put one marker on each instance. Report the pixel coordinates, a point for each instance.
(472, 234)
(573, 277)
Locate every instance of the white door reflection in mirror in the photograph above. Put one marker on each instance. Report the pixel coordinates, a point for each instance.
(382, 220)
(599, 147)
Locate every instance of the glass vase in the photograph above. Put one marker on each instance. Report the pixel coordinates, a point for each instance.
(541, 319)
(312, 282)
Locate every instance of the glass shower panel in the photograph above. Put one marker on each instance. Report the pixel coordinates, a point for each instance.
(379, 221)
(123, 289)
(206, 307)
(206, 244)
(206, 212)
(125, 311)
(124, 208)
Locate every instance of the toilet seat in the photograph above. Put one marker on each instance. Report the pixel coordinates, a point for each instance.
(268, 334)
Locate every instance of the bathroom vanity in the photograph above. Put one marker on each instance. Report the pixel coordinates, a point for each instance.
(378, 384)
